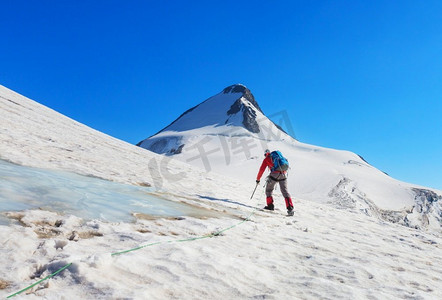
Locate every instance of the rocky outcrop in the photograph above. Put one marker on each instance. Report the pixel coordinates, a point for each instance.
(425, 213)
(246, 93)
(248, 113)
(427, 210)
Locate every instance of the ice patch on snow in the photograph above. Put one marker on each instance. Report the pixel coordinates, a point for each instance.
(24, 188)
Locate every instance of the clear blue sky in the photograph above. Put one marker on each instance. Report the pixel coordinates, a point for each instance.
(364, 76)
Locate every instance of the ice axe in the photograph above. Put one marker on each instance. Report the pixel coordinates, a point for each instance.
(257, 183)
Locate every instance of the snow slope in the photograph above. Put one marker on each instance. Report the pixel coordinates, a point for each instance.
(321, 253)
(36, 136)
(215, 136)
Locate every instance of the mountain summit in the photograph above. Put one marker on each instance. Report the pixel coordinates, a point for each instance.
(232, 112)
(234, 106)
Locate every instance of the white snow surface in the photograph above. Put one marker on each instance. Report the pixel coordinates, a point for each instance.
(323, 252)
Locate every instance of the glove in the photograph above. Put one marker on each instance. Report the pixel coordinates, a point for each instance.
(257, 181)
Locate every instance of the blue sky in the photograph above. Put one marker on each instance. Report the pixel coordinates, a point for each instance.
(364, 76)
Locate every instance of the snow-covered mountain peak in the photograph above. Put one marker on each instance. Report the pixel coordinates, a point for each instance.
(232, 112)
(246, 94)
(233, 106)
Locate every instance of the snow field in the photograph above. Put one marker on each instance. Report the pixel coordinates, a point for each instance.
(320, 253)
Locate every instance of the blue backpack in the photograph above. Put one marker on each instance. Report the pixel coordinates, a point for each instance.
(280, 163)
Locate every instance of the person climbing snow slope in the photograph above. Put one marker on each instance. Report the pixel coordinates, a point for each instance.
(278, 166)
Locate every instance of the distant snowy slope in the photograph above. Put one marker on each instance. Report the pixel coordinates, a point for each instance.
(228, 134)
(34, 135)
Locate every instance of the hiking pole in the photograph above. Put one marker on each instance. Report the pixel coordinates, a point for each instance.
(254, 190)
